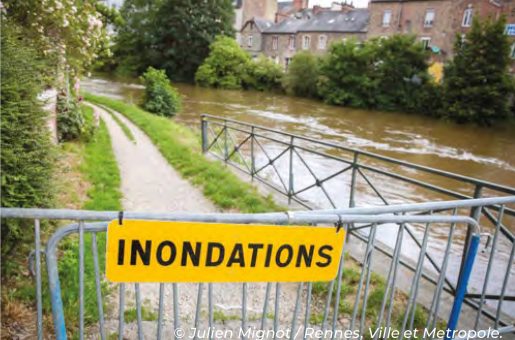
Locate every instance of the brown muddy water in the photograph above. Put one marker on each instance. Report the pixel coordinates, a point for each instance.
(483, 153)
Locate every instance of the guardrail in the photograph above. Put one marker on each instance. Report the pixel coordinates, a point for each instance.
(390, 311)
(276, 158)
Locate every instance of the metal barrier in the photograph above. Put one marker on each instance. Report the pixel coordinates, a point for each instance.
(355, 301)
(335, 177)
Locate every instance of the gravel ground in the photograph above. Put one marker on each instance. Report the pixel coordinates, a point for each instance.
(149, 183)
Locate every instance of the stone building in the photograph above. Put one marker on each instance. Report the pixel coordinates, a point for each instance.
(244, 10)
(251, 35)
(434, 22)
(312, 32)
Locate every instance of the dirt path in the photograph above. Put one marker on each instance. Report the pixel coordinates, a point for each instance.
(149, 183)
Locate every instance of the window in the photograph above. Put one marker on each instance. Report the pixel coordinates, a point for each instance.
(287, 62)
(322, 42)
(306, 41)
(425, 42)
(250, 40)
(430, 18)
(467, 17)
(512, 53)
(387, 18)
(291, 43)
(275, 42)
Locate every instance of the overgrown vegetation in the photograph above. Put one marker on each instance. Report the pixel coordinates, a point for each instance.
(181, 148)
(160, 97)
(72, 122)
(477, 86)
(173, 35)
(264, 75)
(302, 76)
(26, 150)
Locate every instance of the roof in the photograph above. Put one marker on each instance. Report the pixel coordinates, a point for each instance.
(288, 25)
(262, 24)
(337, 21)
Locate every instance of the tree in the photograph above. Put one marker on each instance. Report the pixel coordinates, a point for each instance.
(263, 74)
(302, 75)
(171, 34)
(26, 151)
(225, 67)
(346, 75)
(476, 83)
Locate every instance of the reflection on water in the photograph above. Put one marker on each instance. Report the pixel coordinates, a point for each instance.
(487, 154)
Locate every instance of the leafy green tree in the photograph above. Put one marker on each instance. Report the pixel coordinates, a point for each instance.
(26, 150)
(225, 67)
(170, 34)
(346, 74)
(302, 75)
(400, 72)
(263, 75)
(476, 83)
(160, 97)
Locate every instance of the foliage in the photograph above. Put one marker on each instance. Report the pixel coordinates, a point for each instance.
(302, 75)
(181, 149)
(386, 74)
(476, 83)
(160, 97)
(67, 32)
(225, 67)
(170, 34)
(263, 75)
(346, 74)
(26, 149)
(70, 120)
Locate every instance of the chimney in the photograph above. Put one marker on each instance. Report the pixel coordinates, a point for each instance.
(299, 5)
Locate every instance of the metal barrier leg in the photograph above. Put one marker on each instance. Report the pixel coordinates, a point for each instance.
(461, 290)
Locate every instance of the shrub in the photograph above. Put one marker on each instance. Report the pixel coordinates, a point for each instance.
(302, 75)
(70, 120)
(225, 67)
(346, 75)
(476, 83)
(160, 97)
(264, 75)
(26, 148)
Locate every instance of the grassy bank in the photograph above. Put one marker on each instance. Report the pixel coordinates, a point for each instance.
(99, 171)
(181, 148)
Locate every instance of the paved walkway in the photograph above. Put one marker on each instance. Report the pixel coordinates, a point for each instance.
(149, 183)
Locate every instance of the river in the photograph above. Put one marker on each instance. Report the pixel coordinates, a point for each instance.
(483, 153)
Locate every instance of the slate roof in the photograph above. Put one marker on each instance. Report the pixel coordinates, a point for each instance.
(288, 25)
(337, 21)
(263, 24)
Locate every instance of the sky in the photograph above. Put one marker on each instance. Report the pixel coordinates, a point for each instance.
(325, 3)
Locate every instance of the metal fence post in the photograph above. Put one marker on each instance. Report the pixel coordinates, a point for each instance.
(461, 289)
(252, 155)
(226, 147)
(290, 176)
(203, 129)
(353, 180)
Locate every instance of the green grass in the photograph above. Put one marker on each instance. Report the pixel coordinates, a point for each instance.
(130, 315)
(181, 148)
(126, 131)
(101, 171)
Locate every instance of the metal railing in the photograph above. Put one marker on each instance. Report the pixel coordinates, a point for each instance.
(301, 307)
(317, 174)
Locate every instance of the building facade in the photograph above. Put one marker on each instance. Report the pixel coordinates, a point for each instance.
(244, 10)
(434, 22)
(251, 35)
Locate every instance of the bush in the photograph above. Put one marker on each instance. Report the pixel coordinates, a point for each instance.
(26, 149)
(264, 75)
(477, 84)
(70, 121)
(225, 67)
(160, 97)
(302, 76)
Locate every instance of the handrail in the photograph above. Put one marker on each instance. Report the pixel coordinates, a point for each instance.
(471, 180)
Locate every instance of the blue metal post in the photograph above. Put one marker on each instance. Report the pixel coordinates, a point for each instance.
(461, 290)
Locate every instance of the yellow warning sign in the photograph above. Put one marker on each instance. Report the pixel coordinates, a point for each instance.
(153, 251)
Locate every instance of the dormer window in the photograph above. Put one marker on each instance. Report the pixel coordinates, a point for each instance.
(429, 18)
